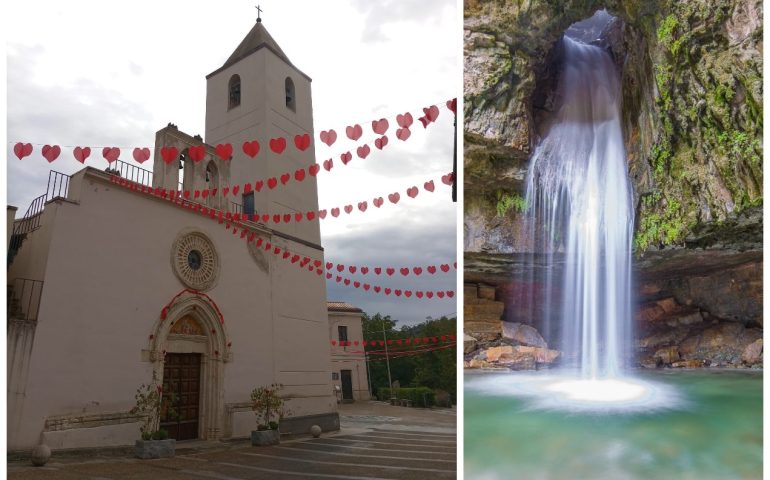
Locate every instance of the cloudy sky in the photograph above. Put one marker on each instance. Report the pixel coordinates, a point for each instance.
(113, 73)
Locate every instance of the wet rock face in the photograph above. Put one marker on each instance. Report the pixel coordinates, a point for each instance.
(692, 109)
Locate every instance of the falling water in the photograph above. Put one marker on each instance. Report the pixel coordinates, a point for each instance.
(579, 202)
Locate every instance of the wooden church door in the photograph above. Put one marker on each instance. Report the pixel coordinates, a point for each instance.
(181, 378)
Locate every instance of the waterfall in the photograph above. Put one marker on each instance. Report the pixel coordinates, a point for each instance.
(579, 212)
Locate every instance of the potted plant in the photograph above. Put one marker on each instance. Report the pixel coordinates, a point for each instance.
(267, 404)
(151, 405)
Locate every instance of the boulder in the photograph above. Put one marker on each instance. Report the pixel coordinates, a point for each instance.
(469, 343)
(493, 353)
(523, 334)
(667, 355)
(688, 364)
(753, 353)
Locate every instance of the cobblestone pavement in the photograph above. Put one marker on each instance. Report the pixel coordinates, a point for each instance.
(377, 441)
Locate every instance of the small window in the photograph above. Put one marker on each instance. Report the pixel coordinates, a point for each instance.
(235, 91)
(335, 376)
(343, 333)
(248, 203)
(290, 100)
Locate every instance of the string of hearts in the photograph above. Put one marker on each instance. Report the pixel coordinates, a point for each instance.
(395, 341)
(251, 148)
(237, 226)
(380, 357)
(432, 269)
(296, 217)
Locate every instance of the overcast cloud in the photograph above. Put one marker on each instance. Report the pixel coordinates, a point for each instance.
(112, 73)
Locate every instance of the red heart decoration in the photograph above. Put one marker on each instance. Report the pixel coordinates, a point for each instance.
(258, 185)
(452, 105)
(285, 178)
(419, 294)
(187, 194)
(354, 132)
(169, 154)
(362, 206)
(394, 197)
(251, 148)
(205, 194)
(278, 145)
(348, 209)
(356, 284)
(197, 153)
(322, 214)
(225, 191)
(417, 270)
(265, 218)
(310, 216)
(299, 175)
(412, 192)
(390, 271)
(377, 288)
(404, 120)
(432, 269)
(346, 157)
(328, 164)
(429, 186)
(346, 281)
(408, 293)
(378, 202)
(445, 268)
(381, 142)
(235, 189)
(377, 270)
(82, 153)
(246, 188)
(448, 179)
(328, 275)
(380, 126)
(352, 269)
(404, 271)
(272, 182)
(425, 121)
(111, 153)
(141, 155)
(316, 263)
(294, 259)
(286, 217)
(429, 294)
(403, 133)
(450, 293)
(329, 265)
(335, 212)
(224, 151)
(364, 270)
(440, 294)
(22, 150)
(340, 267)
(276, 218)
(387, 292)
(313, 169)
(277, 250)
(329, 137)
(339, 279)
(431, 113)
(302, 142)
(397, 292)
(197, 194)
(363, 151)
(52, 153)
(367, 287)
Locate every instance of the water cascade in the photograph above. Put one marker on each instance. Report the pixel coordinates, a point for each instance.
(580, 200)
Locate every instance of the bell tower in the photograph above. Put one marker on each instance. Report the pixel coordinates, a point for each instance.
(258, 94)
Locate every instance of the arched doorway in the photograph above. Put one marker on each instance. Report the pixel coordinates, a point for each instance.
(189, 353)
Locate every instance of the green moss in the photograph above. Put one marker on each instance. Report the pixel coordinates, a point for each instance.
(666, 29)
(508, 200)
(660, 226)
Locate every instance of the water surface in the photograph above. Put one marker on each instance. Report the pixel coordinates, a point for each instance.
(713, 430)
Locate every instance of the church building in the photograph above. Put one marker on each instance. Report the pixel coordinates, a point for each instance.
(110, 287)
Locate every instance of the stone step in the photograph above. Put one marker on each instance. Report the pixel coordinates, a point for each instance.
(470, 293)
(483, 318)
(487, 292)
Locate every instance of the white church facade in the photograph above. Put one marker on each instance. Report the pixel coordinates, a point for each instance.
(110, 287)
